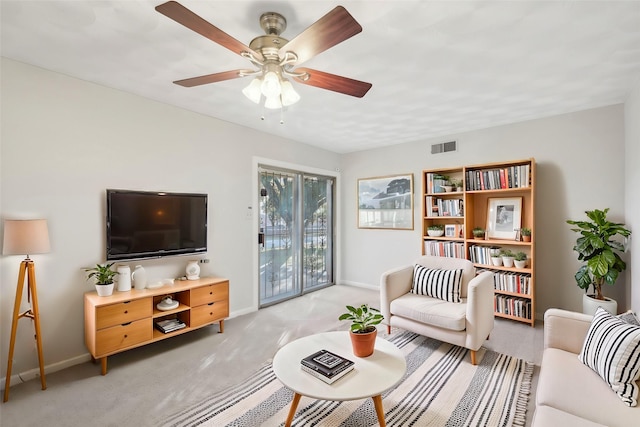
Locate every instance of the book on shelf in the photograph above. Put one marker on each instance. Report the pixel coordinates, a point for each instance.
(169, 325)
(517, 176)
(327, 366)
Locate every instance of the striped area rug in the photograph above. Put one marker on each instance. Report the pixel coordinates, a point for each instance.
(440, 388)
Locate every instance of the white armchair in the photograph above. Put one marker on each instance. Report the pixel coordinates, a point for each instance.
(466, 324)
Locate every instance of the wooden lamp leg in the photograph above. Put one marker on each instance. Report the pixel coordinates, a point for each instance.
(26, 267)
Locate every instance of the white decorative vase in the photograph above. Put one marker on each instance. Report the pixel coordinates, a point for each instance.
(193, 270)
(123, 278)
(139, 277)
(590, 305)
(507, 261)
(520, 264)
(435, 233)
(104, 290)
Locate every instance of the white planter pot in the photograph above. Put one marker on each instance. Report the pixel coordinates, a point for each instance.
(435, 233)
(590, 305)
(496, 261)
(507, 261)
(104, 290)
(520, 264)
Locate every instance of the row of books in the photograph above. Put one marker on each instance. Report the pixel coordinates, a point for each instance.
(445, 249)
(437, 206)
(495, 179)
(513, 306)
(435, 183)
(169, 325)
(480, 254)
(512, 282)
(326, 366)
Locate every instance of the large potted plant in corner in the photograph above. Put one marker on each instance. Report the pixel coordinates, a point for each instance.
(363, 330)
(103, 276)
(598, 249)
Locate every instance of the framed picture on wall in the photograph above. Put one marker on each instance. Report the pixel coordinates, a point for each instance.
(504, 216)
(386, 202)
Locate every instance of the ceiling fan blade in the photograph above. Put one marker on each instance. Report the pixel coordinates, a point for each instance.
(184, 16)
(333, 28)
(332, 82)
(211, 78)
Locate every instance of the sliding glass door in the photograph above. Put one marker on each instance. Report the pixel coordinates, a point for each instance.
(296, 233)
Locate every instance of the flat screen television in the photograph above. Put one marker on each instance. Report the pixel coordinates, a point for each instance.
(144, 224)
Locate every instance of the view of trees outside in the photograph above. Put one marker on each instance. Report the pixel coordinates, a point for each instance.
(295, 254)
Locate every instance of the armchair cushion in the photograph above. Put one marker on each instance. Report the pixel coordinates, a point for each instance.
(430, 311)
(437, 283)
(612, 349)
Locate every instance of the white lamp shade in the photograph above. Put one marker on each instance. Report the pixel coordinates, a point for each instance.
(273, 103)
(25, 237)
(252, 91)
(271, 85)
(289, 95)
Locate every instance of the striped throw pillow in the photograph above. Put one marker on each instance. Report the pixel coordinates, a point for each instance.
(442, 284)
(612, 349)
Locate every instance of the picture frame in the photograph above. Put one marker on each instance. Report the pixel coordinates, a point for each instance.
(504, 217)
(386, 202)
(450, 230)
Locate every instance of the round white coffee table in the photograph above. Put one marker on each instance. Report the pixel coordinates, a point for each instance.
(371, 375)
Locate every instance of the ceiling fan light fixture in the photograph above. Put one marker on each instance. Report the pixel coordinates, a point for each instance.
(271, 86)
(289, 94)
(273, 103)
(253, 90)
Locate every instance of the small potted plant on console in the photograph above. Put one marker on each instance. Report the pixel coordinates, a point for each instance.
(478, 233)
(526, 234)
(435, 230)
(363, 330)
(520, 260)
(103, 275)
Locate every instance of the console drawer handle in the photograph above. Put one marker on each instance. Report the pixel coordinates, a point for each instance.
(126, 324)
(211, 303)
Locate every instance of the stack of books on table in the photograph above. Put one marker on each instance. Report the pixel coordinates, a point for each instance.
(170, 325)
(326, 366)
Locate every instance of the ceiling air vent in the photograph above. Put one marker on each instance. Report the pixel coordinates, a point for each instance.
(444, 147)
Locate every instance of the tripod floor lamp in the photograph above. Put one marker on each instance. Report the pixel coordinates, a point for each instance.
(25, 237)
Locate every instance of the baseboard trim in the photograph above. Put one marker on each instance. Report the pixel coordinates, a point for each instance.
(34, 373)
(359, 285)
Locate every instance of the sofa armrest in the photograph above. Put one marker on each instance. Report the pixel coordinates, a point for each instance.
(393, 284)
(480, 317)
(565, 330)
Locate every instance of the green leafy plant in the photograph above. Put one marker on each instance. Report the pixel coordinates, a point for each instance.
(597, 248)
(520, 256)
(478, 232)
(363, 319)
(436, 227)
(456, 183)
(525, 231)
(102, 274)
(508, 253)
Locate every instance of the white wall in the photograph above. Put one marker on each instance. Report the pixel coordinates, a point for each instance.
(580, 166)
(64, 141)
(632, 184)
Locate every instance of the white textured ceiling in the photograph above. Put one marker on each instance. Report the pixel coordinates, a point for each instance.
(437, 67)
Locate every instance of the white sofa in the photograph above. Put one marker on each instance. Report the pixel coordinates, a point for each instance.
(466, 324)
(569, 393)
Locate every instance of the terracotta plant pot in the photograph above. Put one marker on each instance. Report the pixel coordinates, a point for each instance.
(363, 344)
(526, 238)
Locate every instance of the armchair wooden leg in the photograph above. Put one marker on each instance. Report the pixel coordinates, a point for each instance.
(389, 329)
(473, 357)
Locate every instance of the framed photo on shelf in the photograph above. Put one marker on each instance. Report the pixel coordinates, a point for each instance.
(450, 230)
(386, 202)
(504, 216)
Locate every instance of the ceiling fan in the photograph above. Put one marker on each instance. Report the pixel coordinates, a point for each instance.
(276, 58)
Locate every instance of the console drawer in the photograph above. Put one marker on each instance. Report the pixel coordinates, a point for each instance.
(123, 336)
(212, 312)
(209, 293)
(124, 312)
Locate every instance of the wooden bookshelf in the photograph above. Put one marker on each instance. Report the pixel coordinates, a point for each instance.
(485, 186)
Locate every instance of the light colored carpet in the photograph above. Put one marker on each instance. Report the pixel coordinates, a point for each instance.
(146, 385)
(440, 388)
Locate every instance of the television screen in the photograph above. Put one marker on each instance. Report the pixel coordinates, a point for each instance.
(143, 224)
